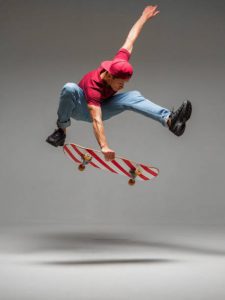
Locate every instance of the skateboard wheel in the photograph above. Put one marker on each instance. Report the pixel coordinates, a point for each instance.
(131, 182)
(81, 167)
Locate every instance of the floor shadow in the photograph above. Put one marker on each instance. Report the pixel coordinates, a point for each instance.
(90, 262)
(94, 241)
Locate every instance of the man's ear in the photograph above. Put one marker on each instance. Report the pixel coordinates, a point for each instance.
(108, 75)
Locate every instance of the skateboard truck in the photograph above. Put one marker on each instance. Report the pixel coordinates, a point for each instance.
(86, 159)
(134, 173)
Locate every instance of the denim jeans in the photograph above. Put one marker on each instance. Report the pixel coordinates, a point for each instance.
(73, 105)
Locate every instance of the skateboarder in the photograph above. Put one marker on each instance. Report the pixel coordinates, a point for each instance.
(95, 99)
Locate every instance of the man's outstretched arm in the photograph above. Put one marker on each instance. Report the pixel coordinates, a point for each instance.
(148, 13)
(96, 115)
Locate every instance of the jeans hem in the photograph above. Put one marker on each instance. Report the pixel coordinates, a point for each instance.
(165, 120)
(63, 125)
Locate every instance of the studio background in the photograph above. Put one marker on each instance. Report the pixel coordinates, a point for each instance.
(179, 55)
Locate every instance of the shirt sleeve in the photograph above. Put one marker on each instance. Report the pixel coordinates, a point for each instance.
(93, 102)
(122, 54)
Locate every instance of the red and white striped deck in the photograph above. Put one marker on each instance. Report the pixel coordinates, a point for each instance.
(117, 166)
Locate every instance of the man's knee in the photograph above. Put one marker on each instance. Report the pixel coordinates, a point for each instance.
(68, 89)
(132, 98)
(135, 94)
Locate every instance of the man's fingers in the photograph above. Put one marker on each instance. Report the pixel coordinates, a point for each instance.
(109, 156)
(151, 11)
(153, 7)
(155, 11)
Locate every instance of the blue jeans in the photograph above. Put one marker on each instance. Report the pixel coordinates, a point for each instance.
(73, 105)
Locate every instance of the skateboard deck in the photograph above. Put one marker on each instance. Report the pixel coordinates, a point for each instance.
(89, 157)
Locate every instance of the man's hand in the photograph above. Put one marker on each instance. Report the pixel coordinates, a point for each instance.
(108, 153)
(150, 12)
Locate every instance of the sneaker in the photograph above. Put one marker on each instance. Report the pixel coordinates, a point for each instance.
(179, 117)
(182, 114)
(57, 138)
(178, 128)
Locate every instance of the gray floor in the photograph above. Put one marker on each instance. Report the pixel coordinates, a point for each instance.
(61, 262)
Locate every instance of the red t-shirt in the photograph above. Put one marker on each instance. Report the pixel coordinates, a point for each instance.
(95, 89)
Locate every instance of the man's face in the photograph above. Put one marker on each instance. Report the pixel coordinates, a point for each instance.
(117, 83)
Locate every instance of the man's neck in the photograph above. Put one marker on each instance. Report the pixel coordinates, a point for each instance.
(103, 76)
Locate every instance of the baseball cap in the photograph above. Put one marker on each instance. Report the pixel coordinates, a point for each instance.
(118, 67)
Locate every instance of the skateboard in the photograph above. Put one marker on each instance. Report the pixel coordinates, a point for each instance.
(89, 157)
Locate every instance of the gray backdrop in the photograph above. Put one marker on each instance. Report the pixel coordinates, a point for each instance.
(179, 54)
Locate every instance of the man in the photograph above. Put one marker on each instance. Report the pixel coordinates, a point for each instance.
(94, 99)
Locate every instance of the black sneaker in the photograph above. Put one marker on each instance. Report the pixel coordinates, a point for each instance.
(57, 138)
(178, 128)
(182, 114)
(179, 117)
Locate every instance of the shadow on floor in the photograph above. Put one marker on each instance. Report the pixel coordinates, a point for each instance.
(94, 242)
(90, 262)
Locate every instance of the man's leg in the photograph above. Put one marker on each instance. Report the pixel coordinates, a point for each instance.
(134, 101)
(71, 104)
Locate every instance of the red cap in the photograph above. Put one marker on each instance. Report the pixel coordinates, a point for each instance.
(118, 67)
